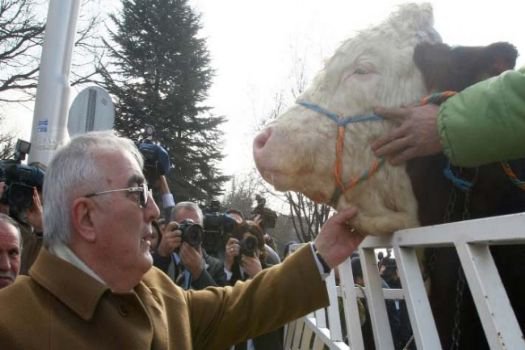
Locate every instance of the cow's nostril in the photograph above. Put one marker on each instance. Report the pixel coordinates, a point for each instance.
(262, 138)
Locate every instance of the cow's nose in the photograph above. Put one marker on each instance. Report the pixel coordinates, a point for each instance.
(261, 139)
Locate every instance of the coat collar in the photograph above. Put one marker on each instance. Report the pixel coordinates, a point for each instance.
(73, 287)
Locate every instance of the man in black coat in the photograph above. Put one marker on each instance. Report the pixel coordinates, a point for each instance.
(184, 259)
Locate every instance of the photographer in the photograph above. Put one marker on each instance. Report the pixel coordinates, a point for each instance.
(180, 253)
(20, 194)
(272, 258)
(244, 259)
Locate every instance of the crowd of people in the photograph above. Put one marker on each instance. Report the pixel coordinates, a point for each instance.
(77, 271)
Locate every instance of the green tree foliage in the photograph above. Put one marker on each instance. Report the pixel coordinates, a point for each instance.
(159, 75)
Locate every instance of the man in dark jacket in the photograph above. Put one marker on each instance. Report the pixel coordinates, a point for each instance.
(187, 263)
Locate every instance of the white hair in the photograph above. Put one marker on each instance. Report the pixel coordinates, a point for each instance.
(188, 206)
(74, 171)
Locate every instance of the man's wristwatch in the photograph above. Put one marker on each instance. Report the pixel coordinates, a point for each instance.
(326, 268)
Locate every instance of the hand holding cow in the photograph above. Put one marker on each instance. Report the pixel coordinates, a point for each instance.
(415, 136)
(337, 239)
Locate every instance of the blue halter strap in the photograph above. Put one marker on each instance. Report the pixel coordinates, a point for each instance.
(342, 122)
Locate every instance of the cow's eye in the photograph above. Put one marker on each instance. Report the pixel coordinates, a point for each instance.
(360, 71)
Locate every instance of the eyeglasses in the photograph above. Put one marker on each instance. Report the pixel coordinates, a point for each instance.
(142, 190)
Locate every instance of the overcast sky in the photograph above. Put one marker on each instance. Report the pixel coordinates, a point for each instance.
(257, 45)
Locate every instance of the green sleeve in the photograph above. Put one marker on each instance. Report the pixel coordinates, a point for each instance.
(485, 123)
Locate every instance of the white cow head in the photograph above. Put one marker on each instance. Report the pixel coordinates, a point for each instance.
(297, 152)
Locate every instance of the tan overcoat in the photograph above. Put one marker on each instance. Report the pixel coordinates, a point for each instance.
(60, 307)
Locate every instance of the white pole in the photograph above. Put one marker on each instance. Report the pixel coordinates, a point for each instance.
(52, 96)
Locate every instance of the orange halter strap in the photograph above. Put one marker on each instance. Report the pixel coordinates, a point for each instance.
(342, 122)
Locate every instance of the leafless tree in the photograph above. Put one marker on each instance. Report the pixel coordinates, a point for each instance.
(22, 27)
(7, 143)
(21, 37)
(243, 190)
(307, 216)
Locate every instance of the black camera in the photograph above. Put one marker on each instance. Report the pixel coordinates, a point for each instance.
(192, 233)
(19, 182)
(216, 226)
(249, 245)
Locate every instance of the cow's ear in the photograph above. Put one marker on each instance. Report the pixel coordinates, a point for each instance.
(499, 57)
(446, 68)
(434, 62)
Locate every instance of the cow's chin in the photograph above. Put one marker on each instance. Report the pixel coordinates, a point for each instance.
(298, 183)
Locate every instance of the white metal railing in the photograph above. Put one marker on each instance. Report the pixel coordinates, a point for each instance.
(471, 239)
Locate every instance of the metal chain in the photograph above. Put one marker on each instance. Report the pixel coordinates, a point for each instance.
(430, 264)
(460, 289)
(460, 285)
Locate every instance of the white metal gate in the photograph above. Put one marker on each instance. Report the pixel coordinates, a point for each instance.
(471, 240)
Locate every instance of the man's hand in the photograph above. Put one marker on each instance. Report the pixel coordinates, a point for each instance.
(251, 265)
(416, 136)
(171, 239)
(338, 240)
(192, 259)
(35, 214)
(231, 251)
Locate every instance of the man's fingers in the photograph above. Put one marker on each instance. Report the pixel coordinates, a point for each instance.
(394, 114)
(380, 143)
(393, 148)
(403, 156)
(344, 215)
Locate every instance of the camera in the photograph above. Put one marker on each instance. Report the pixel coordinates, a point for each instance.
(19, 181)
(192, 233)
(249, 245)
(216, 225)
(156, 158)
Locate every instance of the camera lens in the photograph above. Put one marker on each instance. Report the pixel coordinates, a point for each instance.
(249, 245)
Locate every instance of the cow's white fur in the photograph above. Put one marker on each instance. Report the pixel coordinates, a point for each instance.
(375, 68)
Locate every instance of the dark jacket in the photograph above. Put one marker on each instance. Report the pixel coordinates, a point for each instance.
(213, 275)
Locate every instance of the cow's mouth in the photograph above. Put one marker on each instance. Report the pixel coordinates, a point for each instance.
(277, 178)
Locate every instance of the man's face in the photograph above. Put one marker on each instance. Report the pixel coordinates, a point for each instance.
(9, 254)
(185, 214)
(123, 229)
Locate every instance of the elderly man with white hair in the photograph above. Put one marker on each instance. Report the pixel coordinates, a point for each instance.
(93, 285)
(10, 250)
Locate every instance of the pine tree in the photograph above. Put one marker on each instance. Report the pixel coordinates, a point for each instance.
(159, 76)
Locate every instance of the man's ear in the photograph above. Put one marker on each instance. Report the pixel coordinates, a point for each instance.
(82, 218)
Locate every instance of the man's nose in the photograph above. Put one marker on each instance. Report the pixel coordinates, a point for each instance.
(5, 262)
(151, 211)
